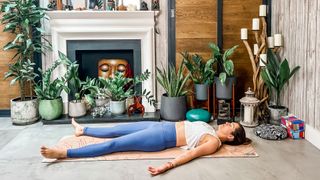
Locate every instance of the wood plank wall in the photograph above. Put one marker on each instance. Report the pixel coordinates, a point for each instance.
(7, 92)
(298, 21)
(196, 23)
(238, 14)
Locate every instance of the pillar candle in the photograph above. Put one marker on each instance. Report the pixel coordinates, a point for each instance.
(248, 114)
(263, 10)
(277, 40)
(255, 49)
(263, 57)
(244, 33)
(270, 42)
(255, 24)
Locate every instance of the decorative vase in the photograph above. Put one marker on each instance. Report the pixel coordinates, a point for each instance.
(173, 108)
(77, 109)
(276, 113)
(24, 112)
(224, 91)
(50, 109)
(117, 107)
(201, 91)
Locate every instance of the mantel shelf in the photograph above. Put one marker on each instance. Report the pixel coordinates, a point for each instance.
(101, 14)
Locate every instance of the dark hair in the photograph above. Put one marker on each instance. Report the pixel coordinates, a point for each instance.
(239, 136)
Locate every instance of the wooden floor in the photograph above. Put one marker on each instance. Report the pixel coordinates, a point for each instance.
(20, 159)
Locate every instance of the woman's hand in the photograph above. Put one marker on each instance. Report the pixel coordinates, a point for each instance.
(158, 170)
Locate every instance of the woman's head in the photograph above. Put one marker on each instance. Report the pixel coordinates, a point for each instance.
(233, 133)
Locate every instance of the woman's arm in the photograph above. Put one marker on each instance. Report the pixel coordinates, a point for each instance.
(206, 148)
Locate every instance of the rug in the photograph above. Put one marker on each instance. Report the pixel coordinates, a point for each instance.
(226, 151)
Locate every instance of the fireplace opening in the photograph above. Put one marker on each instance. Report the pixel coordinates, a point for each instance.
(96, 58)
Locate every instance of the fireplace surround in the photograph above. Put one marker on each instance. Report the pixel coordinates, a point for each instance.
(67, 26)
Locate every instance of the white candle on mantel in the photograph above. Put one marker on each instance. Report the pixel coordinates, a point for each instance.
(277, 40)
(263, 57)
(270, 42)
(255, 24)
(263, 10)
(255, 49)
(244, 33)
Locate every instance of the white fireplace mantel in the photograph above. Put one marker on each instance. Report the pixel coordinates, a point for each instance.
(105, 25)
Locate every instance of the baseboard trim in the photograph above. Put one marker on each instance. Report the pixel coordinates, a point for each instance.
(5, 113)
(313, 136)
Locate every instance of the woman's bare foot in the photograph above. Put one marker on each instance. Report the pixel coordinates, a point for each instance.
(78, 129)
(53, 153)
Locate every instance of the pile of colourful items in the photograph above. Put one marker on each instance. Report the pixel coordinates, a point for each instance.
(294, 126)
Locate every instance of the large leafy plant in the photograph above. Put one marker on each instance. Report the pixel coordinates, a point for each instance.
(276, 74)
(173, 81)
(224, 64)
(48, 89)
(201, 71)
(22, 18)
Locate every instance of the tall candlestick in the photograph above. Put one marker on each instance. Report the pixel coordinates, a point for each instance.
(263, 10)
(255, 49)
(263, 57)
(277, 40)
(244, 33)
(255, 24)
(270, 42)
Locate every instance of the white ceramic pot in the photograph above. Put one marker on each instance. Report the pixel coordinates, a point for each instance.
(77, 109)
(24, 112)
(117, 107)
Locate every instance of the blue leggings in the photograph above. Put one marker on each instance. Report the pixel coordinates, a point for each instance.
(140, 136)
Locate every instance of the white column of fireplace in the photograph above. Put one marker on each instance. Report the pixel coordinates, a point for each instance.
(110, 25)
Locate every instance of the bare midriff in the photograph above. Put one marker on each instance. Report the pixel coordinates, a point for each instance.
(180, 134)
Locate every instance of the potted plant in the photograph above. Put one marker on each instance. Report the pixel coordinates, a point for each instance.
(276, 74)
(202, 73)
(225, 66)
(119, 88)
(49, 92)
(78, 88)
(22, 18)
(173, 102)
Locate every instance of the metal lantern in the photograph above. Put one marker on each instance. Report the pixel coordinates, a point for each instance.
(249, 103)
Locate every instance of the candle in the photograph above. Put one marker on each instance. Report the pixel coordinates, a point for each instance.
(244, 33)
(270, 42)
(248, 114)
(277, 40)
(255, 49)
(255, 24)
(263, 57)
(263, 10)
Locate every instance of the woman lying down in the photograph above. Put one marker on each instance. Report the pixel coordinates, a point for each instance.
(199, 138)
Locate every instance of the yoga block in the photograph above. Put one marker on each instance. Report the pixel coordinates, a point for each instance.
(294, 126)
(292, 122)
(198, 115)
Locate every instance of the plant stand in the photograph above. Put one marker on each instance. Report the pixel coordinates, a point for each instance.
(232, 104)
(205, 104)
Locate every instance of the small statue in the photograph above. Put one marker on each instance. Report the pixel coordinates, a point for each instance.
(155, 5)
(52, 5)
(92, 4)
(144, 6)
(137, 106)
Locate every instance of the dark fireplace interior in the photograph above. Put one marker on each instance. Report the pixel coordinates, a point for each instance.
(88, 53)
(88, 60)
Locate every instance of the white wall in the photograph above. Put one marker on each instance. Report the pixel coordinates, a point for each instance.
(298, 21)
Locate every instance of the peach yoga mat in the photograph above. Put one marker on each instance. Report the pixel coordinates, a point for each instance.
(75, 142)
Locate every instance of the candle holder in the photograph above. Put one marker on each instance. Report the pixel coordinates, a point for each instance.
(248, 115)
(259, 87)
